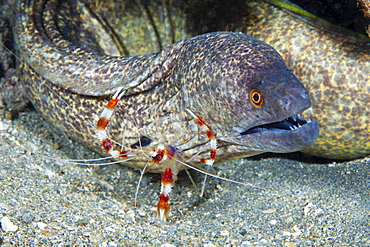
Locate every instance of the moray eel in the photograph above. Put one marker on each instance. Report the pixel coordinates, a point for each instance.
(235, 83)
(331, 62)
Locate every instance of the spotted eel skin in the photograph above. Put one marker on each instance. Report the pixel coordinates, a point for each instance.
(332, 63)
(147, 72)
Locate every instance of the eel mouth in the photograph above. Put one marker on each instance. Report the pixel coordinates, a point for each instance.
(289, 124)
(292, 134)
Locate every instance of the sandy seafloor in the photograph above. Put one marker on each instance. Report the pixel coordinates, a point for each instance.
(54, 203)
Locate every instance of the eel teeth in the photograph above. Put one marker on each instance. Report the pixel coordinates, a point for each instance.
(291, 123)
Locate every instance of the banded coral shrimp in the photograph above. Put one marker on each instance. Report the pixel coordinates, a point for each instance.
(166, 156)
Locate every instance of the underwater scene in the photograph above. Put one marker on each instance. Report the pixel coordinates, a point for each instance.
(196, 123)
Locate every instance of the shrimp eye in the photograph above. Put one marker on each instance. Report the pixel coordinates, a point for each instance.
(256, 98)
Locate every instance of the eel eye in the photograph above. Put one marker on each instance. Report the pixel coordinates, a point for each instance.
(256, 98)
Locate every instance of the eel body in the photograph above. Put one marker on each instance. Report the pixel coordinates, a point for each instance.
(83, 52)
(216, 75)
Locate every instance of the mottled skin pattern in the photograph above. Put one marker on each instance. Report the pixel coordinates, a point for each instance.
(211, 74)
(332, 63)
(335, 68)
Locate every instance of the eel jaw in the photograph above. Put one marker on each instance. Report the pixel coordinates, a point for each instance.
(292, 134)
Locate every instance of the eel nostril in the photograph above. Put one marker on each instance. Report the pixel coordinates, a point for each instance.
(285, 104)
(305, 95)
